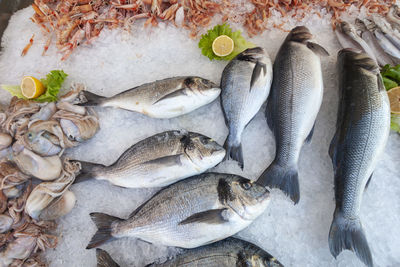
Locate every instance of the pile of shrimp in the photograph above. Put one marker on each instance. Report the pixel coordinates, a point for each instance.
(75, 22)
(256, 20)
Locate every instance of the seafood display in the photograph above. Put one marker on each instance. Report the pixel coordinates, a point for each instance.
(245, 85)
(362, 131)
(32, 143)
(162, 99)
(159, 160)
(190, 213)
(293, 105)
(226, 253)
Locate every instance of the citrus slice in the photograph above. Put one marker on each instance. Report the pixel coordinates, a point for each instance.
(394, 98)
(222, 45)
(31, 87)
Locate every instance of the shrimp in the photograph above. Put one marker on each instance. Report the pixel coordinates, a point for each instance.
(26, 48)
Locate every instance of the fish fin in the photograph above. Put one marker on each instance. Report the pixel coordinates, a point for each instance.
(92, 99)
(104, 259)
(250, 54)
(268, 115)
(166, 161)
(87, 172)
(381, 86)
(369, 180)
(256, 72)
(103, 234)
(310, 135)
(235, 153)
(317, 49)
(348, 234)
(299, 34)
(284, 178)
(174, 94)
(210, 216)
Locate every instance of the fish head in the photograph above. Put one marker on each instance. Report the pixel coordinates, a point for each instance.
(349, 59)
(244, 196)
(202, 86)
(204, 151)
(299, 34)
(261, 258)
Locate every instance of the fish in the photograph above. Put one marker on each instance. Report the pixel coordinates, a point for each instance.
(393, 17)
(225, 253)
(190, 213)
(369, 37)
(159, 160)
(104, 259)
(163, 99)
(245, 84)
(362, 130)
(348, 38)
(387, 45)
(293, 105)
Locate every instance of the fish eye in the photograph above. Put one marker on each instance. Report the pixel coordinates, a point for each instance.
(30, 135)
(246, 185)
(204, 140)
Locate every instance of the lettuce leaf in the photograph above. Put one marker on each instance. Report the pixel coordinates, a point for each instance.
(14, 90)
(53, 83)
(391, 79)
(395, 123)
(240, 44)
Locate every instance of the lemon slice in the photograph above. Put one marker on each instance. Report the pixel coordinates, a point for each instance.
(394, 98)
(222, 45)
(31, 87)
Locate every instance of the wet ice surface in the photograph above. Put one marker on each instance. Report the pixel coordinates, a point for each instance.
(296, 235)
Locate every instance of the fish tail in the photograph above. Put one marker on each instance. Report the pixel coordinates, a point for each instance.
(348, 234)
(92, 99)
(282, 177)
(234, 152)
(104, 259)
(87, 172)
(103, 234)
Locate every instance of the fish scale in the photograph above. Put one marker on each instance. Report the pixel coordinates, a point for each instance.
(362, 130)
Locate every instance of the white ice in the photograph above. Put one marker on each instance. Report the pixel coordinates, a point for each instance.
(118, 60)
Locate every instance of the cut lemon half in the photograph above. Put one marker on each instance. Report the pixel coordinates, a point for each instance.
(394, 98)
(222, 45)
(31, 87)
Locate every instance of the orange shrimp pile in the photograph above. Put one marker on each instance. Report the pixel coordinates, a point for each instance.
(256, 19)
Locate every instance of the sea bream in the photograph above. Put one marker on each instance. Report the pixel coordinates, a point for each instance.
(226, 253)
(162, 99)
(245, 85)
(362, 130)
(292, 107)
(193, 212)
(159, 160)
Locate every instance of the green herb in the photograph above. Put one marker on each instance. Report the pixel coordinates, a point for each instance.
(391, 79)
(240, 44)
(52, 83)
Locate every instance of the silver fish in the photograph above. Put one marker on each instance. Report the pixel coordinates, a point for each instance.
(199, 210)
(393, 17)
(362, 130)
(293, 105)
(163, 99)
(159, 160)
(387, 45)
(245, 83)
(369, 37)
(348, 38)
(225, 253)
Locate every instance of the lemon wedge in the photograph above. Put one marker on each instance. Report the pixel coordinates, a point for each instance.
(31, 87)
(394, 98)
(222, 45)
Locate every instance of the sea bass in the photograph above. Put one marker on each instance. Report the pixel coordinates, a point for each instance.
(292, 108)
(226, 253)
(193, 212)
(362, 130)
(159, 160)
(245, 84)
(162, 99)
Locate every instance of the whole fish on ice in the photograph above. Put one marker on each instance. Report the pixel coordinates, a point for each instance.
(245, 85)
(292, 108)
(159, 160)
(362, 130)
(226, 253)
(193, 212)
(163, 99)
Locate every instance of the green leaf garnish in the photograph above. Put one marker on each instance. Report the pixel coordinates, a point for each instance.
(395, 123)
(52, 83)
(391, 79)
(240, 44)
